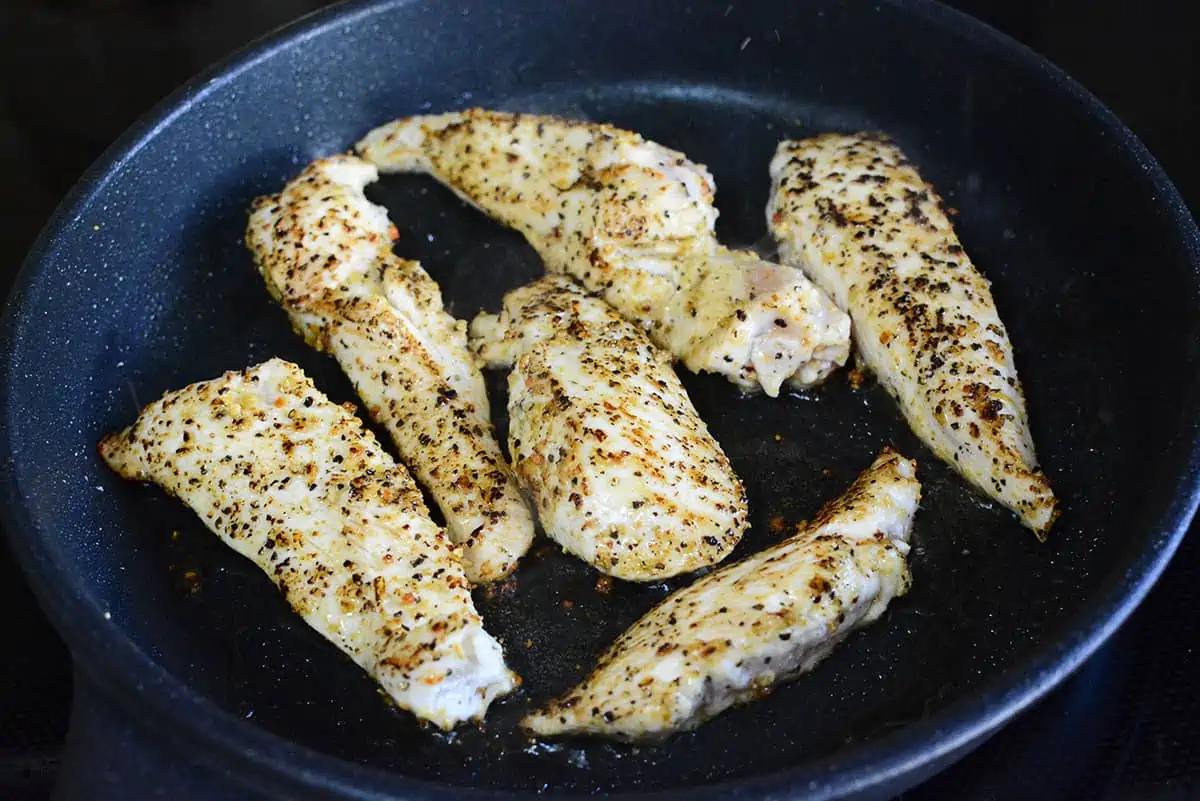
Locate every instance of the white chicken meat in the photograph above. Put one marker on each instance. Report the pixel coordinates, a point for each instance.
(854, 213)
(634, 221)
(293, 482)
(738, 632)
(624, 473)
(325, 252)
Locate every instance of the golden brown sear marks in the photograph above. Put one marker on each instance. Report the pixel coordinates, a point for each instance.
(624, 473)
(293, 482)
(632, 221)
(325, 253)
(736, 633)
(853, 212)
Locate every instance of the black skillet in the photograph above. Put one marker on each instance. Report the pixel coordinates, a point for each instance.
(195, 681)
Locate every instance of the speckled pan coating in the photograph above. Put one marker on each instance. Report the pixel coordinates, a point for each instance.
(141, 283)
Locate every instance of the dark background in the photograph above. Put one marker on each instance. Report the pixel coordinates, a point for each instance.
(75, 73)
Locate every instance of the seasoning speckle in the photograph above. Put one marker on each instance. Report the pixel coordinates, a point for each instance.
(854, 211)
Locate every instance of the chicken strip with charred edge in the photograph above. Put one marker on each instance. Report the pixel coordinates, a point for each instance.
(325, 253)
(632, 220)
(294, 483)
(624, 472)
(853, 213)
(739, 631)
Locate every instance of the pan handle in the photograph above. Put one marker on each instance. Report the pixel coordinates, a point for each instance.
(112, 756)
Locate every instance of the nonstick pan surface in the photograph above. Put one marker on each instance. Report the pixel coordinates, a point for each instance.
(142, 284)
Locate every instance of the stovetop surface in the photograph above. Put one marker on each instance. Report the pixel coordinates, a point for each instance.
(1126, 726)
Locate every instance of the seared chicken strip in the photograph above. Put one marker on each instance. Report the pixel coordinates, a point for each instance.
(325, 252)
(852, 212)
(623, 470)
(293, 482)
(634, 221)
(734, 634)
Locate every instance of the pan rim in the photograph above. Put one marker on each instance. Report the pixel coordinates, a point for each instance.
(131, 677)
